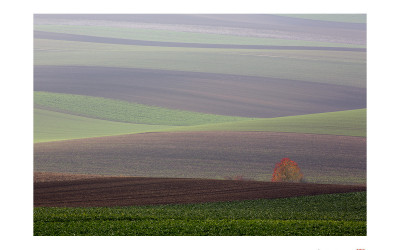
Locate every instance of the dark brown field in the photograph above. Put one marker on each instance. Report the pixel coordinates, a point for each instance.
(128, 191)
(212, 155)
(222, 94)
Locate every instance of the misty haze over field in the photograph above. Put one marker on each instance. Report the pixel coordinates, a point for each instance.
(193, 77)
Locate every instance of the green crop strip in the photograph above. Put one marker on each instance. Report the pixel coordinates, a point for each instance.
(122, 111)
(334, 214)
(55, 126)
(136, 118)
(349, 122)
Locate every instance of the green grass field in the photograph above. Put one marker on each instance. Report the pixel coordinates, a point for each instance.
(137, 118)
(179, 36)
(123, 111)
(349, 122)
(55, 126)
(323, 215)
(315, 66)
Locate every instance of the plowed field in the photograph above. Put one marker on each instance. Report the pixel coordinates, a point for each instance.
(223, 94)
(213, 155)
(128, 191)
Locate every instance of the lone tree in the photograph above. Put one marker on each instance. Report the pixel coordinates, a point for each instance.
(287, 171)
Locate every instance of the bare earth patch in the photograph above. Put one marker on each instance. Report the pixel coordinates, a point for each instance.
(128, 191)
(247, 96)
(212, 155)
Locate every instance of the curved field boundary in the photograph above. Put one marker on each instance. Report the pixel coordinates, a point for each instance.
(332, 67)
(123, 111)
(222, 94)
(98, 39)
(348, 122)
(56, 126)
(322, 158)
(129, 191)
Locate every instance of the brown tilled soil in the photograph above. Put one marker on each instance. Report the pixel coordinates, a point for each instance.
(208, 155)
(247, 96)
(81, 191)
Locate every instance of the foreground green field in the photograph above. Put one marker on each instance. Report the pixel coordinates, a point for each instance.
(179, 36)
(324, 215)
(333, 67)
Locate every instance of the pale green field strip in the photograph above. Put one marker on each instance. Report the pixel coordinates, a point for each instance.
(54, 126)
(350, 123)
(331, 67)
(123, 111)
(50, 126)
(179, 36)
(345, 18)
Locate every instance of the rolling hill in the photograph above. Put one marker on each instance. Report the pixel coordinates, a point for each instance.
(208, 154)
(70, 116)
(227, 95)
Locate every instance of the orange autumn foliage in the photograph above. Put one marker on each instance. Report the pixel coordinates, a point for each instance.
(287, 171)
